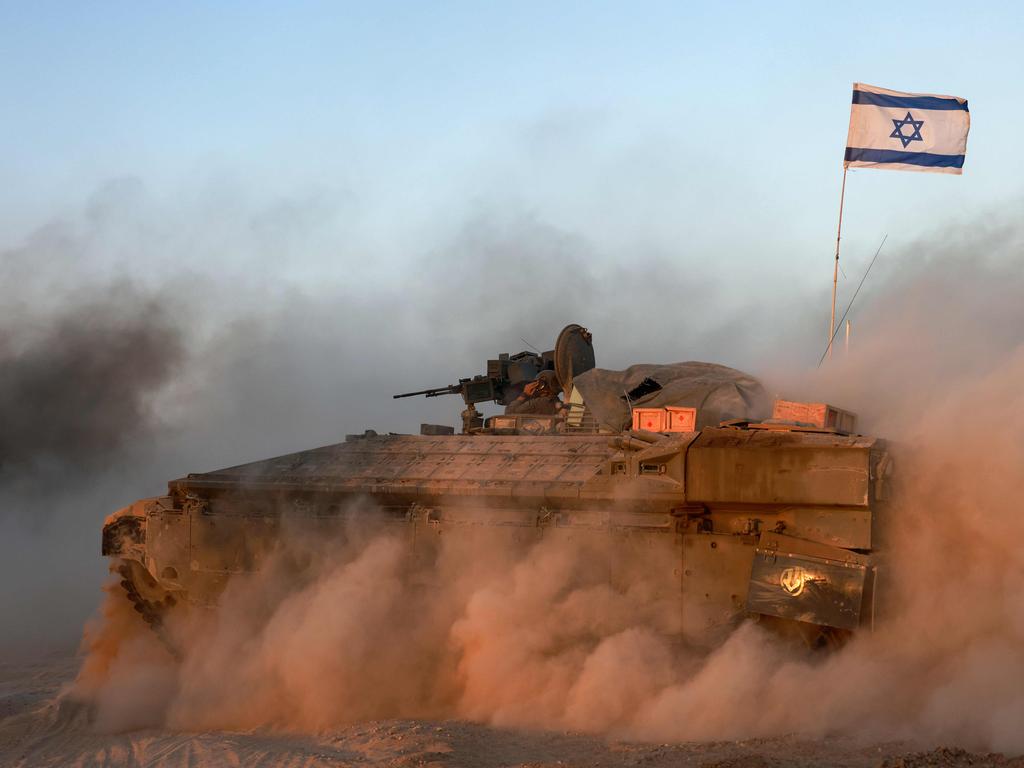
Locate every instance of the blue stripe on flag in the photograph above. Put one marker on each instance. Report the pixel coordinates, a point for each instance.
(910, 158)
(908, 102)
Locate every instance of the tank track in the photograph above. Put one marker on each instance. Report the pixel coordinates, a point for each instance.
(151, 611)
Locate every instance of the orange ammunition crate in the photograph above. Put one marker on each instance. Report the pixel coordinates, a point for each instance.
(681, 419)
(820, 415)
(651, 419)
(668, 419)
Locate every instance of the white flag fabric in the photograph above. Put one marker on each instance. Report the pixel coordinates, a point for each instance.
(906, 131)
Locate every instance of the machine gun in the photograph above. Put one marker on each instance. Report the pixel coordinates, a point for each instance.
(496, 387)
(508, 374)
(451, 389)
(479, 389)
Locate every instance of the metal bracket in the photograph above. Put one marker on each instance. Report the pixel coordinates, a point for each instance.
(195, 505)
(546, 517)
(419, 513)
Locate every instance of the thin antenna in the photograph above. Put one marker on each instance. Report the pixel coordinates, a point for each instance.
(530, 345)
(835, 270)
(866, 271)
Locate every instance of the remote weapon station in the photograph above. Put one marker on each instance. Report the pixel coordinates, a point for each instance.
(735, 507)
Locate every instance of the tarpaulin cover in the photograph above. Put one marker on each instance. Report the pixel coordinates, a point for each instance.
(716, 391)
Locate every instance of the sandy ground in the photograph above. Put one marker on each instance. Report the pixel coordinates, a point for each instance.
(40, 728)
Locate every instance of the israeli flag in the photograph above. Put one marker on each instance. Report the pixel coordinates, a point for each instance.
(906, 131)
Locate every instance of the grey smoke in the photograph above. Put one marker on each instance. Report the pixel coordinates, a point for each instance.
(75, 386)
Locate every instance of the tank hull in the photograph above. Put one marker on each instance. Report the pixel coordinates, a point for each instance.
(724, 523)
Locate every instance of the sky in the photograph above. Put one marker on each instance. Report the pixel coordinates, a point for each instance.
(710, 134)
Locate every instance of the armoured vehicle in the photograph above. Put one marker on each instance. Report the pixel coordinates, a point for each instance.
(732, 514)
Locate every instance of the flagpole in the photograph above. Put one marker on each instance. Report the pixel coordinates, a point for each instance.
(835, 268)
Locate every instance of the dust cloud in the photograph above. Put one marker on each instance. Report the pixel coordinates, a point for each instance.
(532, 634)
(110, 385)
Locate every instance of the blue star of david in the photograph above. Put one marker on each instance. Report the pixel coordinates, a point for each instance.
(897, 131)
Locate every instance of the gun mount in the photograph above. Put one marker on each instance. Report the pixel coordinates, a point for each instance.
(508, 375)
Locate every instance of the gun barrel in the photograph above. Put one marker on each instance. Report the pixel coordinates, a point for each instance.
(451, 389)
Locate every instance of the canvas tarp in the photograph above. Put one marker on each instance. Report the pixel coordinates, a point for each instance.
(716, 391)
